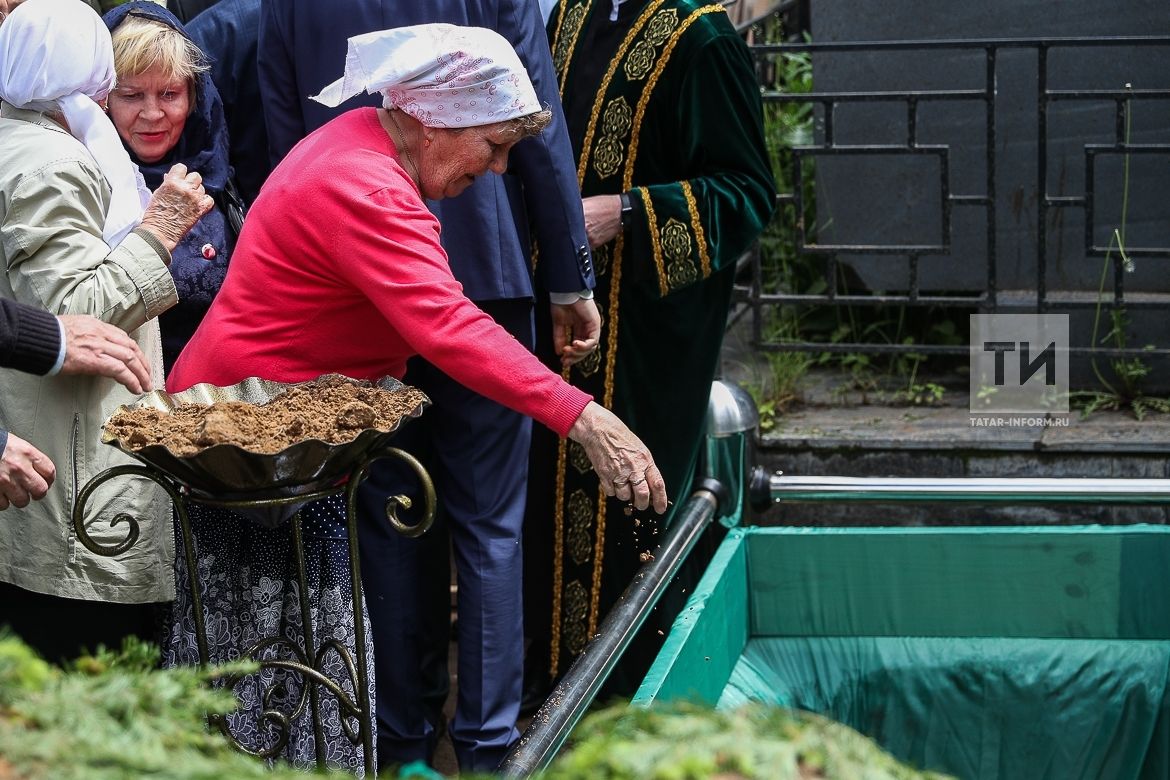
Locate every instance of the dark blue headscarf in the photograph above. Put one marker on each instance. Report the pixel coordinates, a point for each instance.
(203, 145)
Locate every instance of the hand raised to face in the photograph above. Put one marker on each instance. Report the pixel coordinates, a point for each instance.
(178, 203)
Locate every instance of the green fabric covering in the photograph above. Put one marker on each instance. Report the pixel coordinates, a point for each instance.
(704, 644)
(977, 707)
(986, 653)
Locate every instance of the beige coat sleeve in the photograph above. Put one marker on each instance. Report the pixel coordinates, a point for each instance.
(52, 235)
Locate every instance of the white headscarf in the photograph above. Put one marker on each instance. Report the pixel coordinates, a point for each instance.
(59, 52)
(440, 74)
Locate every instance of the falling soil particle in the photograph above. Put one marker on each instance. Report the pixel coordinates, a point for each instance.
(333, 409)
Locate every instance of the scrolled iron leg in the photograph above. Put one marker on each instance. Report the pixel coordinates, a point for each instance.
(394, 503)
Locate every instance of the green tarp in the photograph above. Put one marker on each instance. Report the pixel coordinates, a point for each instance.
(986, 653)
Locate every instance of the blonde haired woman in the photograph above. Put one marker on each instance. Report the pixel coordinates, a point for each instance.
(166, 111)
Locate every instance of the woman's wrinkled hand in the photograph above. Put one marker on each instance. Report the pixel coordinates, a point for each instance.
(178, 203)
(621, 460)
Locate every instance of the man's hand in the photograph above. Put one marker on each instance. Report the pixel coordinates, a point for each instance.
(603, 218)
(96, 347)
(576, 330)
(25, 473)
(178, 203)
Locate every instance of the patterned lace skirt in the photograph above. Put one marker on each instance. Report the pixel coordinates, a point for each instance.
(252, 608)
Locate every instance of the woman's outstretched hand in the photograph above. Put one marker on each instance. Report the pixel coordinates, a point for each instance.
(621, 460)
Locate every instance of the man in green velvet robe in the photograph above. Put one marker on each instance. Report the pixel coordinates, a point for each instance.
(663, 108)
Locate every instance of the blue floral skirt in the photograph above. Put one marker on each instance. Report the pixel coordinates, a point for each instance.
(252, 609)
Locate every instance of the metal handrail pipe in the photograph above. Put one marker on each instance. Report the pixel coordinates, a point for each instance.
(576, 691)
(784, 489)
(962, 43)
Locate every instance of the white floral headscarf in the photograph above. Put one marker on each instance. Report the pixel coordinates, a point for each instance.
(57, 54)
(441, 74)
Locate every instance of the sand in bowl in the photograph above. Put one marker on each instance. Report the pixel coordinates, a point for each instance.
(332, 409)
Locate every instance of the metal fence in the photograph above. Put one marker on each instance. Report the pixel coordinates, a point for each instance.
(968, 210)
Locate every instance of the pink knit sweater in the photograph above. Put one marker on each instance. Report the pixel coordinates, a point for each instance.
(339, 269)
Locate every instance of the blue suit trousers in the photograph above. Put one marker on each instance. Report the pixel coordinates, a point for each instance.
(477, 454)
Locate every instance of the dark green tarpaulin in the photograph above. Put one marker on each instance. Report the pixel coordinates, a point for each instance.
(986, 653)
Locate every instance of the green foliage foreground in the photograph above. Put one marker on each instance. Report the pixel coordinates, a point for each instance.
(754, 742)
(114, 717)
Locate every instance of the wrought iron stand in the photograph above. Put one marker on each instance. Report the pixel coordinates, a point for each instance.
(306, 658)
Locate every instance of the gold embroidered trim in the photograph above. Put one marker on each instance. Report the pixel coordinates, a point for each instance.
(563, 49)
(697, 226)
(615, 125)
(558, 564)
(655, 244)
(580, 519)
(641, 58)
(618, 117)
(598, 560)
(653, 80)
(575, 603)
(611, 345)
(577, 455)
(560, 23)
(587, 147)
(640, 61)
(611, 337)
(661, 26)
(676, 245)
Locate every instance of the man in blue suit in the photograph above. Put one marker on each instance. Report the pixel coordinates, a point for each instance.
(475, 449)
(228, 33)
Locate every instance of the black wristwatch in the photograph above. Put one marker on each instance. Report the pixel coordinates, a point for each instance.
(627, 210)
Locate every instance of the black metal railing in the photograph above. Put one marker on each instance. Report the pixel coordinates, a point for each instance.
(1049, 272)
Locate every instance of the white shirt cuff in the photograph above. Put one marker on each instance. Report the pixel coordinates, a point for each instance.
(568, 299)
(56, 369)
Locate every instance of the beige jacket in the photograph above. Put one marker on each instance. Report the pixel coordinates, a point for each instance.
(53, 200)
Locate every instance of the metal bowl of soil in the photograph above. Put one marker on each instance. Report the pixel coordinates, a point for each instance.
(263, 440)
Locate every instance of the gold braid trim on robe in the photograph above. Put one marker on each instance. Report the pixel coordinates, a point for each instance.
(639, 54)
(655, 241)
(697, 226)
